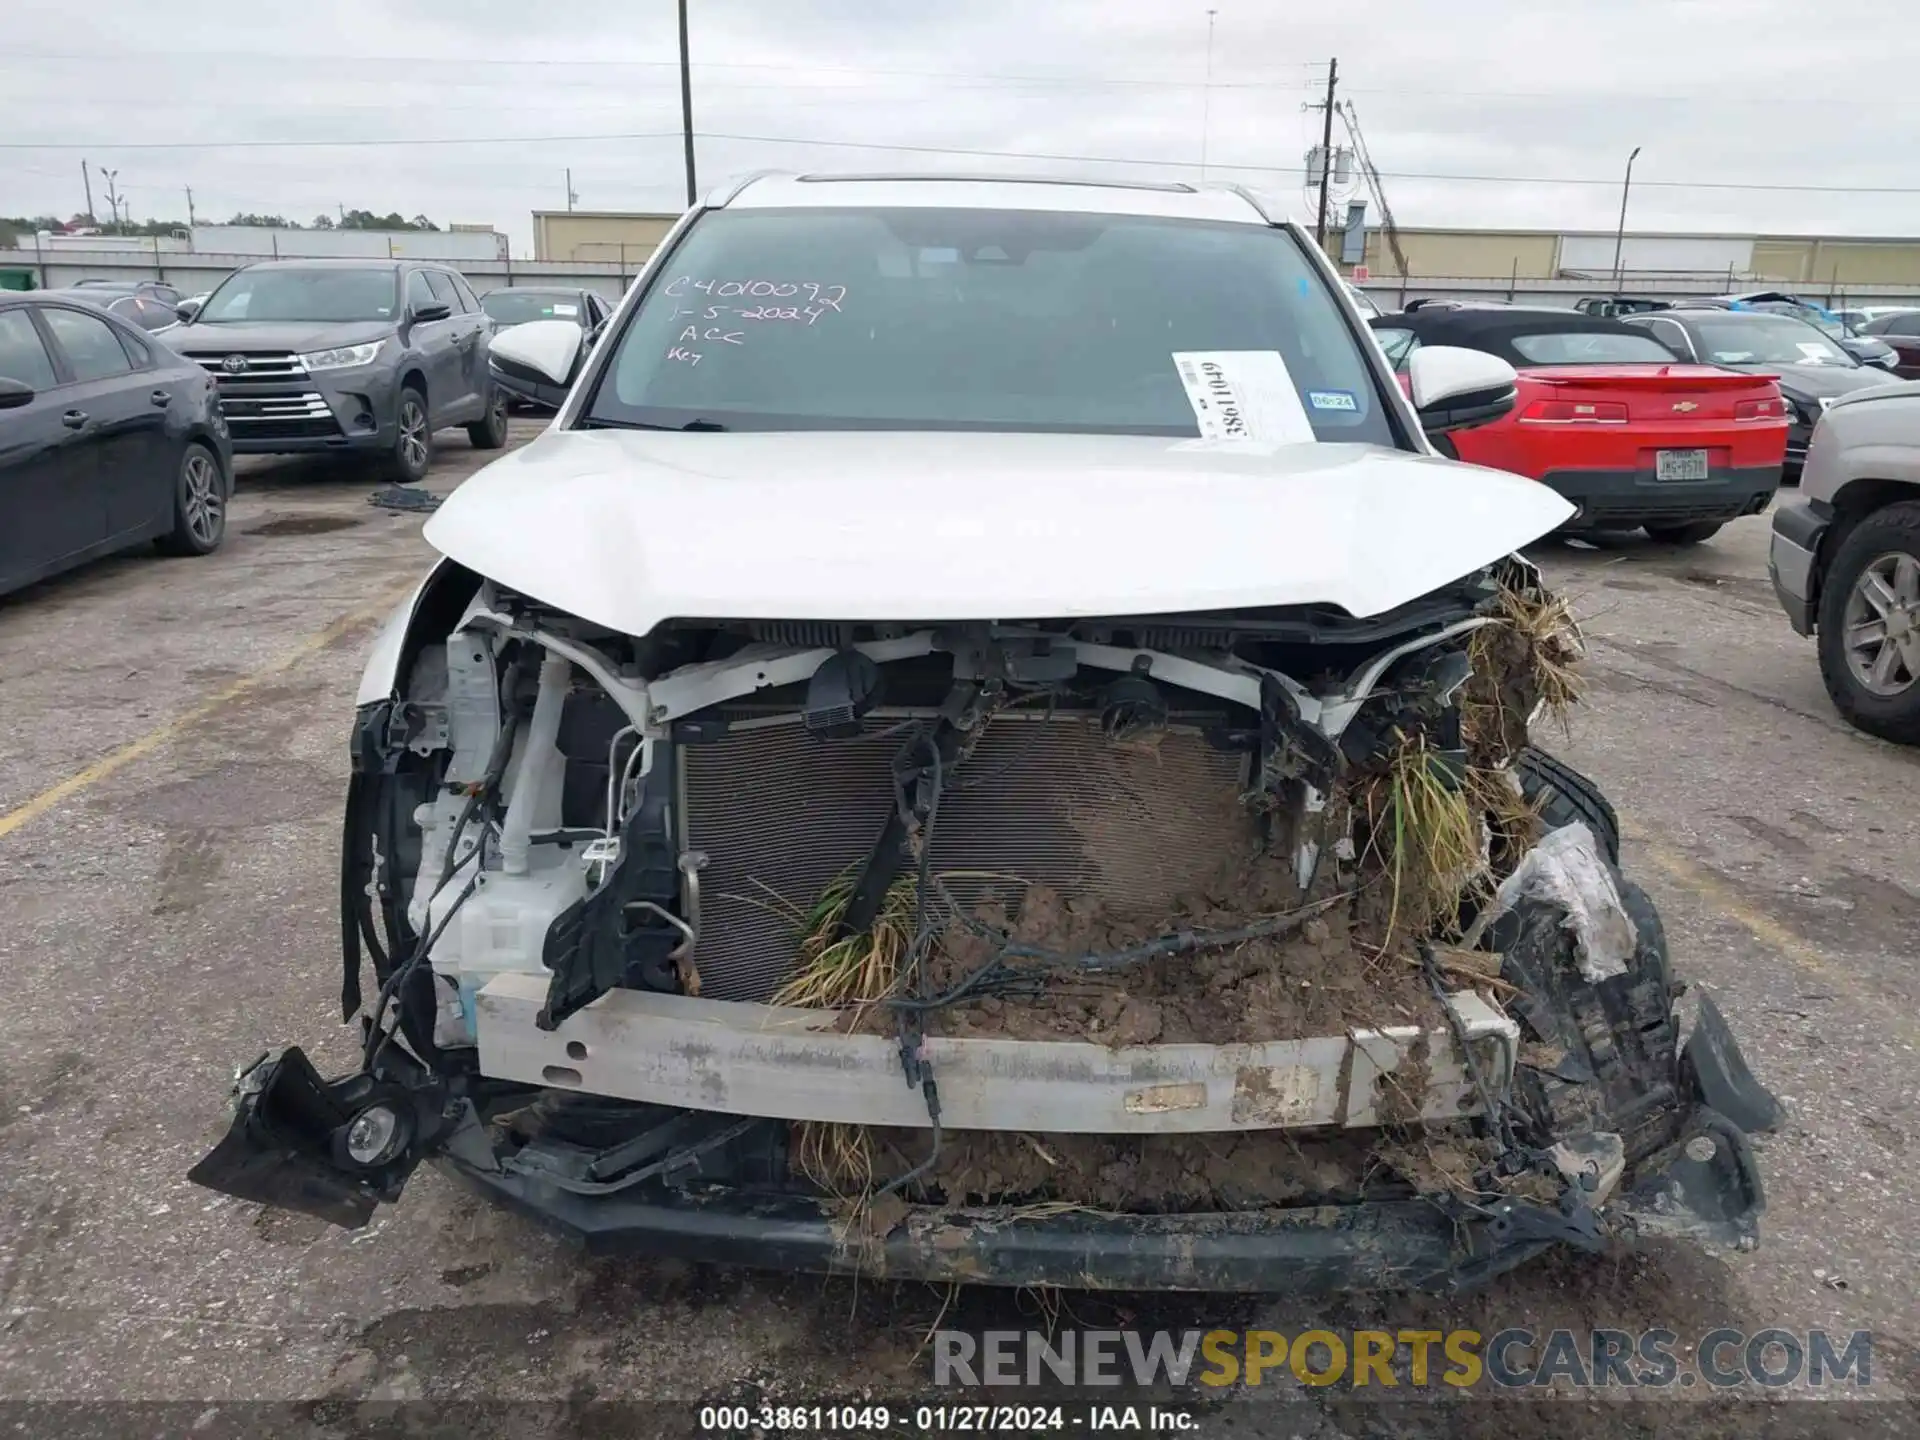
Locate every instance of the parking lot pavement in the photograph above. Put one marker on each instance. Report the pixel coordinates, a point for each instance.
(168, 834)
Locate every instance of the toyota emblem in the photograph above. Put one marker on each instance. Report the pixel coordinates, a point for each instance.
(234, 364)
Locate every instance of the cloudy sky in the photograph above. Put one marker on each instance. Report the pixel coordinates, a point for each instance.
(304, 108)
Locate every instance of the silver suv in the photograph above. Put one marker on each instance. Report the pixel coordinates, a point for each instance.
(1845, 558)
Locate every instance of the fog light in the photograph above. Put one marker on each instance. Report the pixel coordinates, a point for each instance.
(375, 1136)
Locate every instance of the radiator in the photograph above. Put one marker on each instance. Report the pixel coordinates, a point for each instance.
(1047, 801)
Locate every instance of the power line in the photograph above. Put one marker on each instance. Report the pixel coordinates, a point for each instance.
(1702, 97)
(1298, 169)
(338, 144)
(1055, 157)
(147, 56)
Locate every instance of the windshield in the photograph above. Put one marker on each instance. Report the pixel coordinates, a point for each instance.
(1765, 340)
(1396, 344)
(515, 307)
(1823, 322)
(970, 319)
(320, 295)
(1591, 347)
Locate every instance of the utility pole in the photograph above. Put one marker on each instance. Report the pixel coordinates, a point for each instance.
(686, 102)
(87, 180)
(191, 222)
(1620, 235)
(571, 195)
(1326, 155)
(113, 194)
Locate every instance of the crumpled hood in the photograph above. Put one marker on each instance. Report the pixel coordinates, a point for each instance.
(629, 528)
(255, 337)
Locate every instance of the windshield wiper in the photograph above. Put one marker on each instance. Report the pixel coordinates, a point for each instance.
(707, 426)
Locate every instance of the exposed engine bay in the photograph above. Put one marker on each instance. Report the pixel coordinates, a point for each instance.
(897, 935)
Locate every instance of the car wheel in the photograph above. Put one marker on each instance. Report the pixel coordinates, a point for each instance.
(412, 438)
(200, 493)
(1563, 796)
(490, 433)
(1869, 630)
(1691, 534)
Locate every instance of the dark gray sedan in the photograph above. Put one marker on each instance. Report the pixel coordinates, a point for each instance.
(517, 304)
(136, 307)
(107, 440)
(1813, 369)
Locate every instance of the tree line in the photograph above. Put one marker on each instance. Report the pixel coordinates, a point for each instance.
(18, 229)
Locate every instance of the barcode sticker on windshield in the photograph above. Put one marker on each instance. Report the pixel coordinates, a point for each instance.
(1242, 395)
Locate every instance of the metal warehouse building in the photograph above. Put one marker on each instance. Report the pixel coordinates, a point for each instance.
(623, 237)
(1823, 263)
(1812, 262)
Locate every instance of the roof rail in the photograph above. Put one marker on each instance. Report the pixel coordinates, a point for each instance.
(725, 197)
(1174, 187)
(1259, 207)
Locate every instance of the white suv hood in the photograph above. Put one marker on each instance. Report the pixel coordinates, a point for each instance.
(629, 528)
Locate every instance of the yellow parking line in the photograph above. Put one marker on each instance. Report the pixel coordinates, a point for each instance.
(146, 744)
(1704, 885)
(1722, 896)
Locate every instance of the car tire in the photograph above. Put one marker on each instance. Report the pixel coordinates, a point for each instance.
(412, 454)
(1878, 543)
(1564, 797)
(201, 489)
(490, 431)
(1689, 534)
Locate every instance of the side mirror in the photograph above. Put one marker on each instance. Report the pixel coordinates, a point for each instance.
(186, 310)
(1455, 389)
(538, 361)
(14, 393)
(434, 310)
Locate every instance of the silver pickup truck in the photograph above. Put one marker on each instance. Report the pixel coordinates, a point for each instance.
(1845, 557)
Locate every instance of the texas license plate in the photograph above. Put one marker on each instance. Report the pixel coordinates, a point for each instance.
(1680, 465)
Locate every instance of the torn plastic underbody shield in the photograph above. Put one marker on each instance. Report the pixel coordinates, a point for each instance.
(1091, 952)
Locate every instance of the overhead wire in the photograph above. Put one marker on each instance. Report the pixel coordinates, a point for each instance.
(1057, 157)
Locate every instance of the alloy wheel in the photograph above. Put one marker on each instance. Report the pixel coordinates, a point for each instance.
(413, 436)
(1882, 625)
(203, 504)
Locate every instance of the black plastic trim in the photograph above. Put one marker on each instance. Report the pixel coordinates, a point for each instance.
(1802, 522)
(1408, 1245)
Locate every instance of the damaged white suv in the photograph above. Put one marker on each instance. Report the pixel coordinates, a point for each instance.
(984, 745)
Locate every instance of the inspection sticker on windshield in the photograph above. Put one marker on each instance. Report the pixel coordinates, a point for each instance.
(1333, 400)
(561, 309)
(1242, 395)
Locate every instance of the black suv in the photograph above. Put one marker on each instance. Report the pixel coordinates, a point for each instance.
(349, 355)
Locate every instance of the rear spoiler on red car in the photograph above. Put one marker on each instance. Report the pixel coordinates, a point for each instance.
(1637, 377)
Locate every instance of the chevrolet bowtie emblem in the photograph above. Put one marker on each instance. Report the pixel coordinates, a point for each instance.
(1685, 405)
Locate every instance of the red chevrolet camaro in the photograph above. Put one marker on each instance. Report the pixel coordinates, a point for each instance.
(1610, 419)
